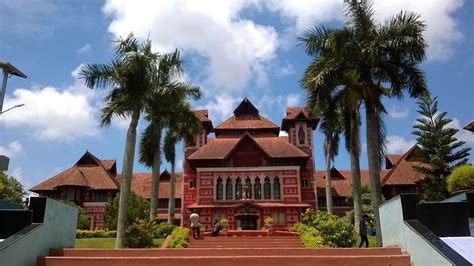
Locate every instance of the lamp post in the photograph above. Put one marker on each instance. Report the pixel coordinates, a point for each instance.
(8, 69)
(16, 106)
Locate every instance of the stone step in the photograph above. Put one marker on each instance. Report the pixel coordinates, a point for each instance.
(392, 260)
(223, 252)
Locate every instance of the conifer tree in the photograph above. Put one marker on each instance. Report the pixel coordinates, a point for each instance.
(439, 151)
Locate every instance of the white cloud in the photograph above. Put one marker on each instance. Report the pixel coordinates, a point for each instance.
(54, 114)
(397, 112)
(12, 150)
(283, 134)
(442, 31)
(84, 49)
(462, 134)
(398, 145)
(237, 49)
(221, 107)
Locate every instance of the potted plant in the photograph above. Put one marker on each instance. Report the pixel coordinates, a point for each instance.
(268, 222)
(224, 223)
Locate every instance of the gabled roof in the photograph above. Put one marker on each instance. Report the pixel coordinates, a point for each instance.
(297, 114)
(202, 115)
(403, 173)
(273, 147)
(87, 172)
(141, 183)
(246, 117)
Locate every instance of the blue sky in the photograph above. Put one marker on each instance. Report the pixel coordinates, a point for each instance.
(232, 49)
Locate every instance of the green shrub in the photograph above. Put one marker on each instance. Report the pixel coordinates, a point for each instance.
(83, 222)
(461, 178)
(335, 231)
(163, 229)
(95, 234)
(309, 236)
(179, 238)
(139, 234)
(224, 222)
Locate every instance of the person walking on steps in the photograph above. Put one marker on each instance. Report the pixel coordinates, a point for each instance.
(363, 231)
(195, 224)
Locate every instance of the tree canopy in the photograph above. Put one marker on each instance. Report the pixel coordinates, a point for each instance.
(137, 209)
(11, 189)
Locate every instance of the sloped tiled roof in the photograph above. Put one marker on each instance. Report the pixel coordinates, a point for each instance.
(251, 122)
(108, 164)
(215, 149)
(402, 173)
(87, 172)
(342, 187)
(296, 113)
(202, 115)
(274, 147)
(277, 147)
(141, 183)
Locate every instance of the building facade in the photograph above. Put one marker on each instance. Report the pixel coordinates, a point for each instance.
(248, 162)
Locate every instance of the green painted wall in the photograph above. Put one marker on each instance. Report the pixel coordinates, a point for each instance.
(57, 231)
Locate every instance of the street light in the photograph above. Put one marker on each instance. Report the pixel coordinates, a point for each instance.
(8, 69)
(16, 106)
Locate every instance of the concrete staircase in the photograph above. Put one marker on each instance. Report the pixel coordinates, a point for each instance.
(272, 250)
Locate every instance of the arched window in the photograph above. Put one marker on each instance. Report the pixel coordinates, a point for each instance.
(301, 136)
(220, 189)
(276, 188)
(238, 188)
(266, 189)
(228, 189)
(248, 188)
(257, 188)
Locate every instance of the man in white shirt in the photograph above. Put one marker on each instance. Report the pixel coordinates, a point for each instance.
(195, 224)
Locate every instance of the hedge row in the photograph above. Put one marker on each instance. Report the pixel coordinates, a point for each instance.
(95, 234)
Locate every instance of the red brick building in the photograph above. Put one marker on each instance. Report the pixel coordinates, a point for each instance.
(247, 152)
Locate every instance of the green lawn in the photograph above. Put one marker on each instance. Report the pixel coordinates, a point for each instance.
(105, 242)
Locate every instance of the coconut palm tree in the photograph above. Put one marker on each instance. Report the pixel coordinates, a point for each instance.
(183, 124)
(330, 126)
(381, 60)
(130, 77)
(161, 108)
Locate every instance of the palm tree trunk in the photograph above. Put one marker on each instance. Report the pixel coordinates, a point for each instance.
(373, 153)
(127, 170)
(355, 168)
(155, 175)
(328, 175)
(172, 194)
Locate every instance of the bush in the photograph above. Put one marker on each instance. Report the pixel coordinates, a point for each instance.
(139, 234)
(224, 222)
(309, 236)
(95, 234)
(335, 231)
(461, 178)
(179, 238)
(268, 220)
(162, 230)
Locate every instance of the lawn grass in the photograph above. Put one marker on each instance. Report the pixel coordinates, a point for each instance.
(95, 243)
(106, 243)
(372, 241)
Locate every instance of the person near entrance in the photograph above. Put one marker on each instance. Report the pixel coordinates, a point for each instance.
(217, 228)
(194, 218)
(363, 231)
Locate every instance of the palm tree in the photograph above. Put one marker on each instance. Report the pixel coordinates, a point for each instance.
(330, 126)
(381, 60)
(183, 124)
(130, 77)
(161, 107)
